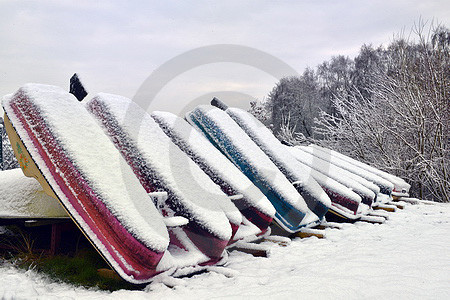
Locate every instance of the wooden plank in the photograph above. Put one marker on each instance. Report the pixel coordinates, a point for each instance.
(108, 273)
(55, 238)
(309, 232)
(379, 213)
(256, 250)
(386, 207)
(276, 239)
(43, 222)
(399, 205)
(416, 201)
(332, 225)
(372, 219)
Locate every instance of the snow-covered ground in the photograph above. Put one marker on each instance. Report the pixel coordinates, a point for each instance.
(408, 257)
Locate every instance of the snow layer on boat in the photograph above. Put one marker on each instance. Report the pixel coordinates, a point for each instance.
(218, 124)
(400, 185)
(331, 171)
(383, 198)
(23, 197)
(352, 200)
(247, 231)
(91, 151)
(203, 150)
(385, 186)
(273, 148)
(200, 197)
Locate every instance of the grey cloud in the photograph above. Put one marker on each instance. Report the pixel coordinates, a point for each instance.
(115, 45)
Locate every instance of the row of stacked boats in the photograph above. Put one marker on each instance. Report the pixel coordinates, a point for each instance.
(157, 193)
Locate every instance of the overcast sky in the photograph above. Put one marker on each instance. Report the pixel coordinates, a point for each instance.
(116, 45)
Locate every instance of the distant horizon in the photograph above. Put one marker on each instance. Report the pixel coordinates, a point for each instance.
(46, 42)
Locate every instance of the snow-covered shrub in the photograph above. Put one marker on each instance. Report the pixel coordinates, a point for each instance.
(403, 127)
(7, 159)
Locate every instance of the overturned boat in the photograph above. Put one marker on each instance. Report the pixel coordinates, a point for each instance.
(161, 166)
(340, 175)
(385, 186)
(292, 212)
(252, 203)
(57, 142)
(306, 185)
(401, 187)
(345, 203)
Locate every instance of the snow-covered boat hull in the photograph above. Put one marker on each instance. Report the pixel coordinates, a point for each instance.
(253, 205)
(149, 153)
(292, 212)
(314, 186)
(307, 185)
(50, 154)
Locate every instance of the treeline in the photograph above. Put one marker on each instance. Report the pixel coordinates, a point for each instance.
(389, 106)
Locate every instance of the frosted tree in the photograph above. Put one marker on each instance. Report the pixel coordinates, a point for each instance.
(400, 123)
(369, 61)
(335, 80)
(294, 102)
(259, 110)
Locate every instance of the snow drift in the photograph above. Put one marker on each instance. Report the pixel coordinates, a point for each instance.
(23, 197)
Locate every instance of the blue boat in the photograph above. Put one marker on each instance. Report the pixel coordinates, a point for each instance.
(315, 196)
(292, 212)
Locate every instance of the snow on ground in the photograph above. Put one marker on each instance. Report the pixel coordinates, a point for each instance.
(405, 258)
(21, 196)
